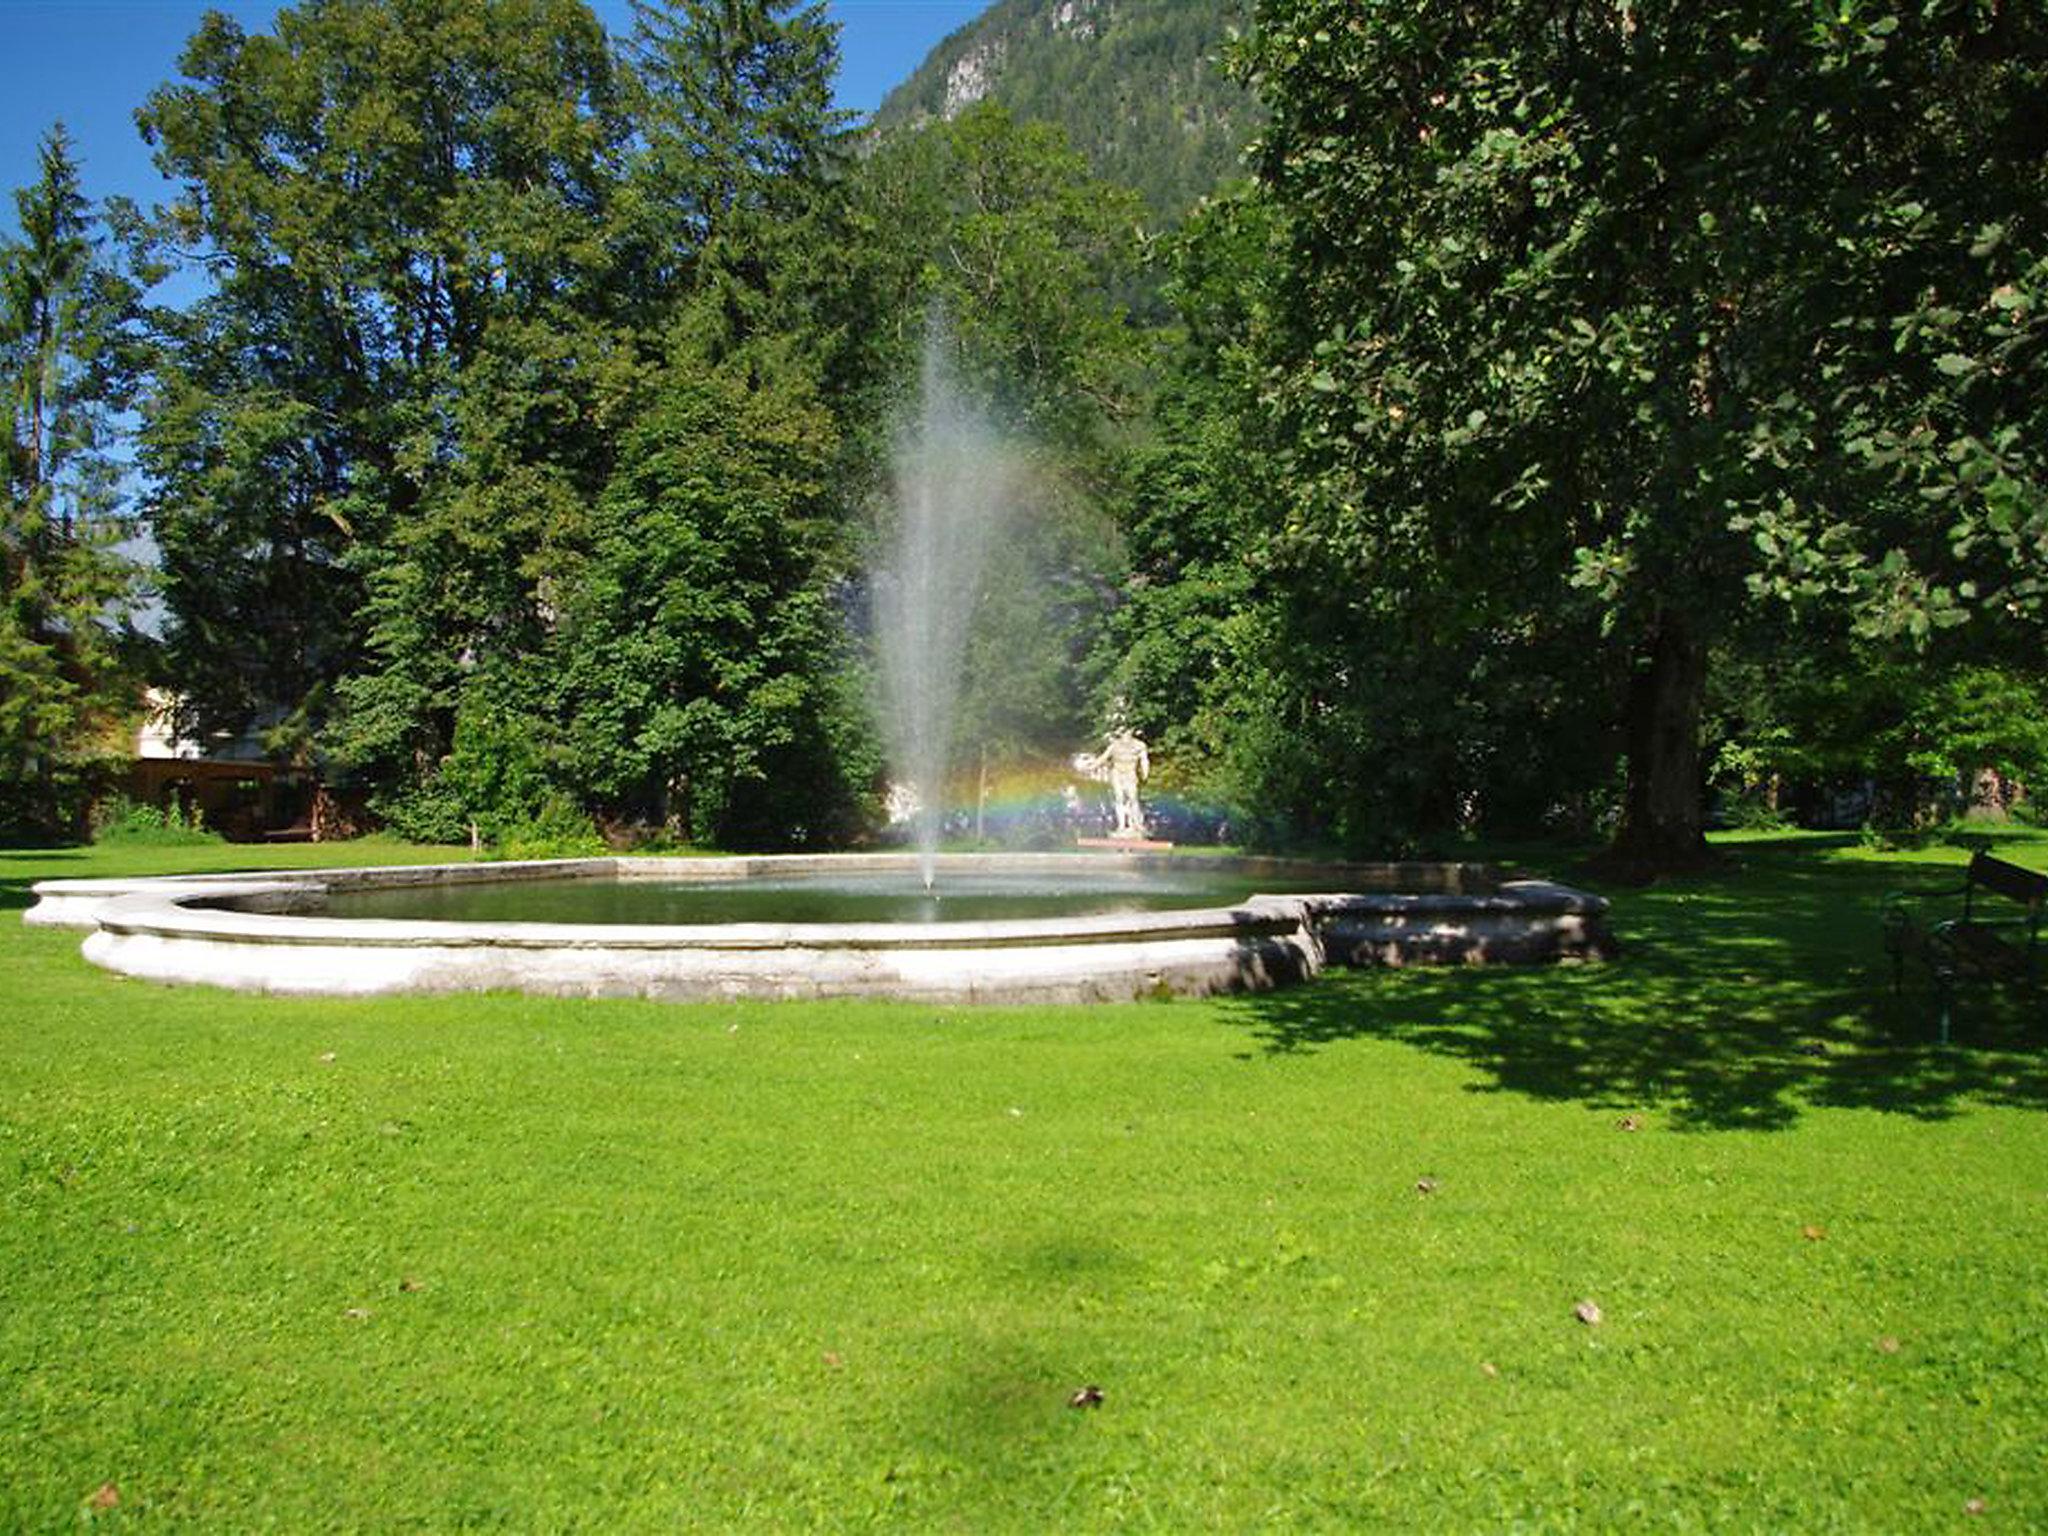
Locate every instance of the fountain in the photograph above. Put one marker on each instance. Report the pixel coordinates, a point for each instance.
(1050, 927)
(956, 484)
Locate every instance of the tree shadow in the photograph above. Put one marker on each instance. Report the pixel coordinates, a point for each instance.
(1740, 998)
(23, 867)
(18, 894)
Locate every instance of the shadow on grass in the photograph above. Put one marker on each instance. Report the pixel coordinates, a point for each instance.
(21, 868)
(1740, 997)
(18, 894)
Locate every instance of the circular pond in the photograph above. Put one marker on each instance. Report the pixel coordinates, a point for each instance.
(995, 928)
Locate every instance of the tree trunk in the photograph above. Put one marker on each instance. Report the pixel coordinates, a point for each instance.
(1662, 819)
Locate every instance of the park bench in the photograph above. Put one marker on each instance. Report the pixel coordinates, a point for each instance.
(1976, 945)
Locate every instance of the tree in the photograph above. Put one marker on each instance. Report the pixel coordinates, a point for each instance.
(998, 227)
(66, 686)
(738, 139)
(702, 666)
(371, 447)
(1178, 645)
(1575, 296)
(1364, 714)
(1001, 225)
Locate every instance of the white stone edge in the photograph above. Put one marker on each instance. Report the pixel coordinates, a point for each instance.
(150, 928)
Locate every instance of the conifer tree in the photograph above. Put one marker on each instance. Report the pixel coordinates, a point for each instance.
(64, 586)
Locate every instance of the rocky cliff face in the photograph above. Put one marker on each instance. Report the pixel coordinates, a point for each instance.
(1135, 83)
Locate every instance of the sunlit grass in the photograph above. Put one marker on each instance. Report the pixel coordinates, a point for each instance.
(516, 1262)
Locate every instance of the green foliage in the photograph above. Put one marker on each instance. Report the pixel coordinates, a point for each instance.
(496, 773)
(370, 443)
(423, 812)
(557, 829)
(737, 137)
(1809, 713)
(1977, 718)
(700, 663)
(556, 508)
(465, 524)
(997, 226)
(122, 823)
(1566, 309)
(500, 780)
(1910, 482)
(67, 685)
(1330, 705)
(1177, 641)
(521, 452)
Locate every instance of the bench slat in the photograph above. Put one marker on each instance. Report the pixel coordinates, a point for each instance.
(2024, 886)
(1984, 951)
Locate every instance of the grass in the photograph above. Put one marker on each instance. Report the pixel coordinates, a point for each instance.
(508, 1262)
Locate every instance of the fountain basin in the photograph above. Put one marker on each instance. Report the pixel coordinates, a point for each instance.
(274, 932)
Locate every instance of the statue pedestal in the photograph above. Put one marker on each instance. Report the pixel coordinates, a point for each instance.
(1124, 844)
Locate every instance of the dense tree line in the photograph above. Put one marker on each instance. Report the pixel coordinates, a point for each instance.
(520, 461)
(1597, 353)
(1579, 403)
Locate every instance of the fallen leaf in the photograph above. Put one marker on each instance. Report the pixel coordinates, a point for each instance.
(1488, 1368)
(1425, 1186)
(1588, 1313)
(833, 1359)
(407, 1283)
(1628, 1123)
(1087, 1397)
(106, 1496)
(1813, 1234)
(1888, 1345)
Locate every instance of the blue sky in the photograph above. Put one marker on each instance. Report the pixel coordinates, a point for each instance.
(91, 62)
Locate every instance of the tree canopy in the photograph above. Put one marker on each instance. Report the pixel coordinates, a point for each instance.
(1593, 325)
(1583, 406)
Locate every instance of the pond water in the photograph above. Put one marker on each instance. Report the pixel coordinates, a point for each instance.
(895, 897)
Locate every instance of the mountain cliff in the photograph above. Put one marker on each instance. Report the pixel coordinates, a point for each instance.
(1136, 84)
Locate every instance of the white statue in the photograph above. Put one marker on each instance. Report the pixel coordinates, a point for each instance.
(901, 804)
(1121, 763)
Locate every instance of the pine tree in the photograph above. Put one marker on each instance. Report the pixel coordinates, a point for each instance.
(64, 587)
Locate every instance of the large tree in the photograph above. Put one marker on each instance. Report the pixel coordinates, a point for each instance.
(1596, 319)
(372, 444)
(65, 687)
(700, 677)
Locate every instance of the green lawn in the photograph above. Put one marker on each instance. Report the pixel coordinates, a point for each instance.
(511, 1262)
